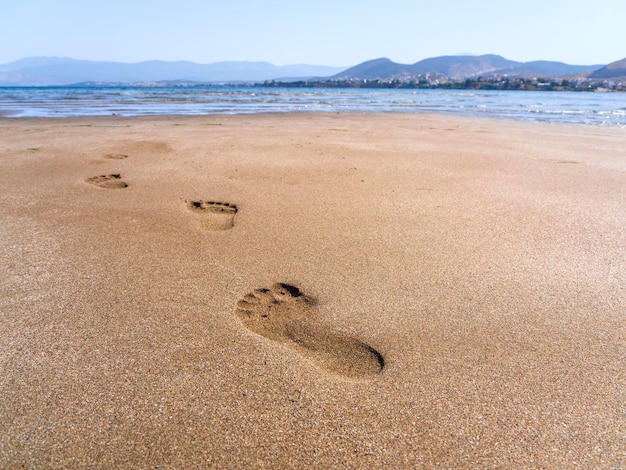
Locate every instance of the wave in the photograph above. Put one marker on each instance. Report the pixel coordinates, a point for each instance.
(587, 108)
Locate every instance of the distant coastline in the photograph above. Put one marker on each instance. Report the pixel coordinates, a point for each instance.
(481, 83)
(424, 83)
(485, 72)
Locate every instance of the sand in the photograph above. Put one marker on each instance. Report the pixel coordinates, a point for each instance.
(312, 291)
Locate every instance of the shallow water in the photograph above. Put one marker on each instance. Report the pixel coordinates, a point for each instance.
(571, 107)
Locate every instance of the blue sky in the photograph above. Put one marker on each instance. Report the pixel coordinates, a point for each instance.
(322, 32)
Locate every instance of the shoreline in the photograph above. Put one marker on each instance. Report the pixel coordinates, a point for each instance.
(425, 114)
(441, 291)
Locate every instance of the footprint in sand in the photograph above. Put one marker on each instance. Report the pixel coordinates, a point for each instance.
(115, 156)
(284, 314)
(214, 215)
(111, 181)
(109, 157)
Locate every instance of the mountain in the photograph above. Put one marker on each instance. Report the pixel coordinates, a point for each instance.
(65, 71)
(460, 67)
(457, 67)
(450, 66)
(373, 69)
(613, 70)
(544, 68)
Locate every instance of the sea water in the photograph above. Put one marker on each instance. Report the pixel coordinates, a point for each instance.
(594, 108)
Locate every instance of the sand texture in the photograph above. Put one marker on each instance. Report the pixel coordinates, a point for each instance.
(312, 291)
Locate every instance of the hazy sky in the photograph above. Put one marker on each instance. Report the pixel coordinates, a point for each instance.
(322, 32)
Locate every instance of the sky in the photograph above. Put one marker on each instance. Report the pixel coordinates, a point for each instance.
(320, 32)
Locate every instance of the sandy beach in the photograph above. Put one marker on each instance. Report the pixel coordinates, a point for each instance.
(312, 291)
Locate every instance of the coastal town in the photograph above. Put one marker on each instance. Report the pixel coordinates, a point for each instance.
(437, 81)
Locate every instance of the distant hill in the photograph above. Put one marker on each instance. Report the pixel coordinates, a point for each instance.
(41, 71)
(65, 71)
(615, 70)
(373, 69)
(463, 66)
(459, 67)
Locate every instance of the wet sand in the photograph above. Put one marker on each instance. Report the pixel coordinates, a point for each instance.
(312, 291)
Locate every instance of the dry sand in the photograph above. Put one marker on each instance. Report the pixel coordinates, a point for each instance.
(312, 291)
